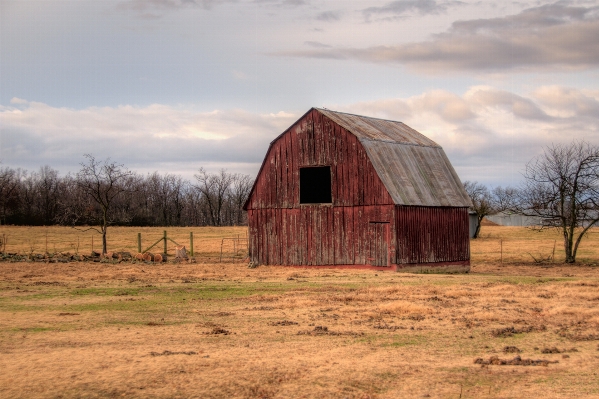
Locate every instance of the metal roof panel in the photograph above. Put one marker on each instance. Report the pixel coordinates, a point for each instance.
(413, 168)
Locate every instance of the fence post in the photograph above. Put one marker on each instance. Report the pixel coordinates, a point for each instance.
(191, 243)
(165, 241)
(138, 243)
(221, 249)
(553, 254)
(501, 244)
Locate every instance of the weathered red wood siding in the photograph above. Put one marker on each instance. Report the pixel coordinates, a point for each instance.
(312, 141)
(315, 235)
(431, 235)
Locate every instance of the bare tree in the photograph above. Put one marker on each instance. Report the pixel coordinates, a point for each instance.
(562, 188)
(240, 190)
(10, 180)
(214, 188)
(167, 192)
(482, 202)
(103, 182)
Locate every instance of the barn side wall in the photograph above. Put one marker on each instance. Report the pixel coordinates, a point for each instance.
(316, 235)
(432, 235)
(315, 140)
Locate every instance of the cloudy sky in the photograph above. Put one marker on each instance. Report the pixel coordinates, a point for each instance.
(172, 85)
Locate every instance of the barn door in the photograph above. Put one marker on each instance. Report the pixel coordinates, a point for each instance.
(379, 244)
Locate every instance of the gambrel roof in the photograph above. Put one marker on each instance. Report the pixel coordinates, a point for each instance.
(413, 168)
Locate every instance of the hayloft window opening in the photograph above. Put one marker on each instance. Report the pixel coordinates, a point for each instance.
(315, 185)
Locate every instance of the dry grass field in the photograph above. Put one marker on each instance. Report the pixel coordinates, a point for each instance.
(221, 330)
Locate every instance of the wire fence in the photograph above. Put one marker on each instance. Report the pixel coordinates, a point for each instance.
(211, 244)
(516, 251)
(230, 244)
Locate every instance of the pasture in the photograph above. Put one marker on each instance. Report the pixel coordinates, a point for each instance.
(220, 330)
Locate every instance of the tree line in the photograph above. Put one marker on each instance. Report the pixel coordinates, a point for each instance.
(107, 193)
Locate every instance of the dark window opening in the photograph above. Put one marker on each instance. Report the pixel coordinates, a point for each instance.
(315, 185)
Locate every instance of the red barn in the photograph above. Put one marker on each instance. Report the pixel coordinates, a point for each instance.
(338, 189)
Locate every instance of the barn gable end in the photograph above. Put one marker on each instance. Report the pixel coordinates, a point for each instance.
(315, 140)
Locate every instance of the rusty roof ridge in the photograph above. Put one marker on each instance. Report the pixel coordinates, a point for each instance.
(362, 139)
(360, 116)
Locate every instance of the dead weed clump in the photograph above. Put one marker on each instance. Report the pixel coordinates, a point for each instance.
(556, 350)
(517, 361)
(283, 323)
(218, 331)
(579, 337)
(261, 308)
(170, 353)
(323, 330)
(511, 331)
(404, 308)
(511, 349)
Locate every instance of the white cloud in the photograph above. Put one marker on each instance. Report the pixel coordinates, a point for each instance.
(548, 37)
(34, 134)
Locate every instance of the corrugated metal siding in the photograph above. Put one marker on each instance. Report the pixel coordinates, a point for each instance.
(313, 141)
(317, 235)
(426, 235)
